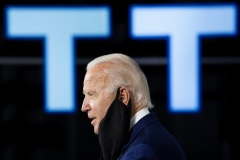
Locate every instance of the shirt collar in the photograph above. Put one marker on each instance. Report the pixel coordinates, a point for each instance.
(144, 111)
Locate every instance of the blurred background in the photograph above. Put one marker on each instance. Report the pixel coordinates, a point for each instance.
(28, 132)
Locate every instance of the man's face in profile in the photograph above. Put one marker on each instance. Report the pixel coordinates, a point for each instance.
(96, 101)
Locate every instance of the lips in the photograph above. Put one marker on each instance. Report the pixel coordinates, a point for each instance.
(93, 119)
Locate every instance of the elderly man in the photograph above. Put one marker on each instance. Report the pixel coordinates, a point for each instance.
(117, 100)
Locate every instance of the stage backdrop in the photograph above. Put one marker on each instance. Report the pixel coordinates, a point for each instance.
(191, 61)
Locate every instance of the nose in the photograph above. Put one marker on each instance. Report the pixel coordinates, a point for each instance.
(85, 105)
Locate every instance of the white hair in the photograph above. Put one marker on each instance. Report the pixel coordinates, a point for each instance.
(124, 71)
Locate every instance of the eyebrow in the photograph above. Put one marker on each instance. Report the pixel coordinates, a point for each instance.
(90, 91)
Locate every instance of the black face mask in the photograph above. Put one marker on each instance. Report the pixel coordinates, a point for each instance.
(113, 129)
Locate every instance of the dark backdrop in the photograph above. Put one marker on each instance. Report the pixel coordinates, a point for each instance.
(28, 132)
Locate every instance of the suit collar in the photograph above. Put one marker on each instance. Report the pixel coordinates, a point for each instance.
(139, 115)
(142, 123)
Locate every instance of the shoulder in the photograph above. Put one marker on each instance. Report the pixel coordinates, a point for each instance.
(153, 141)
(145, 147)
(139, 151)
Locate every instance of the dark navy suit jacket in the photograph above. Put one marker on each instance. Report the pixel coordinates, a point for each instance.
(149, 140)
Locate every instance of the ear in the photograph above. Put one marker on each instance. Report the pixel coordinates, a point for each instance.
(124, 95)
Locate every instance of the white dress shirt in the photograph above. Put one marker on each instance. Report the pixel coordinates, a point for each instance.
(143, 112)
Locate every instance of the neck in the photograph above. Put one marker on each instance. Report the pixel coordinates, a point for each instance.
(135, 110)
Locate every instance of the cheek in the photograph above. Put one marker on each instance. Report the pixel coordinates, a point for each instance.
(91, 103)
(101, 107)
(98, 107)
(105, 105)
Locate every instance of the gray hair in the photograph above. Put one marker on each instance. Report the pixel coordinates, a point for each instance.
(124, 71)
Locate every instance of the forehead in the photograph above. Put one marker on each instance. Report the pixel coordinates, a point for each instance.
(95, 78)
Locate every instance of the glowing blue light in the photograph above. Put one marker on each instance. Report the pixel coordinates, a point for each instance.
(183, 26)
(58, 26)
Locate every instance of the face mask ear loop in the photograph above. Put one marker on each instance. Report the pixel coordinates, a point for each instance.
(118, 92)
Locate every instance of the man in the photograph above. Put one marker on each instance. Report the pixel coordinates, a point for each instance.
(117, 100)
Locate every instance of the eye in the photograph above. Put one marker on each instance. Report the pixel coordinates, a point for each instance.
(90, 94)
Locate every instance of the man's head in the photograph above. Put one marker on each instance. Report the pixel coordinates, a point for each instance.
(104, 76)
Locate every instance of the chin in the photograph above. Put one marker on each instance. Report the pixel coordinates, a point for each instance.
(95, 131)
